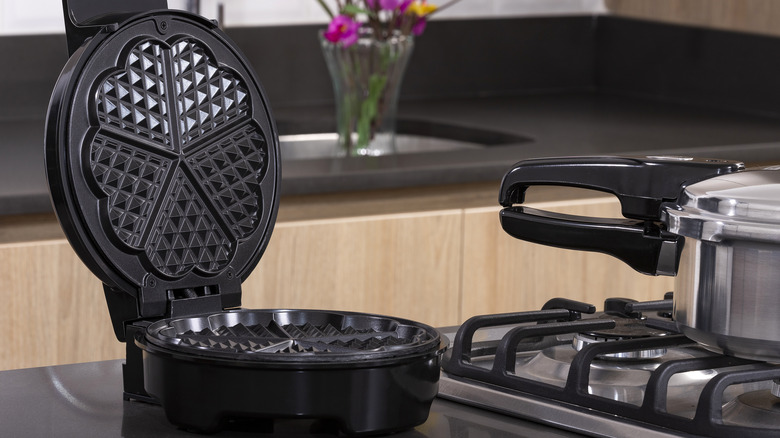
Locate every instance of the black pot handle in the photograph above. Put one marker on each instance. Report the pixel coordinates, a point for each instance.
(650, 251)
(641, 184)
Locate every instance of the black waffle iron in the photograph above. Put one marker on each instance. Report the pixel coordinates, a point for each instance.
(163, 164)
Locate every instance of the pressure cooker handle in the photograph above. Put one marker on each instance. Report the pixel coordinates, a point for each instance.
(642, 245)
(641, 184)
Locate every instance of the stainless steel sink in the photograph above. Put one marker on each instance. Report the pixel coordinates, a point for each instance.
(413, 136)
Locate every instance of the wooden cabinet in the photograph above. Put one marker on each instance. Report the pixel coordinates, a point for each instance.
(756, 16)
(503, 274)
(405, 265)
(434, 256)
(53, 309)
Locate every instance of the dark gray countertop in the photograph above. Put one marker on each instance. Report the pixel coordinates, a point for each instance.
(559, 124)
(86, 400)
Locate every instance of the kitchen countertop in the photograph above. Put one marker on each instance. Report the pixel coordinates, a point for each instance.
(86, 400)
(558, 123)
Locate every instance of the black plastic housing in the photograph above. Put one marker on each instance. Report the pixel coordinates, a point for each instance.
(370, 398)
(368, 373)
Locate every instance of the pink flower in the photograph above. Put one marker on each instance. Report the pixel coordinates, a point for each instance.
(343, 28)
(419, 26)
(389, 4)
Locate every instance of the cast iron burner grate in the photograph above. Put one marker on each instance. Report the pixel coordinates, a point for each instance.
(562, 318)
(252, 334)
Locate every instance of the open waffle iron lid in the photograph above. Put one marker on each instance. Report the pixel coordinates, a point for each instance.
(162, 159)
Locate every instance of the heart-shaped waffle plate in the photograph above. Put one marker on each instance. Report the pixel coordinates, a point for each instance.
(162, 160)
(292, 336)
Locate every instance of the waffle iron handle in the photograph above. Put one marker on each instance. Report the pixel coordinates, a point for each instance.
(85, 18)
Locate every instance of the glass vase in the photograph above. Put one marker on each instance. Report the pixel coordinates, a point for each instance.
(366, 81)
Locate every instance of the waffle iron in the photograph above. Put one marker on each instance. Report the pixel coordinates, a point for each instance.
(162, 159)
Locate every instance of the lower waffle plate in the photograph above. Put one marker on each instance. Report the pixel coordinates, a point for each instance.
(308, 336)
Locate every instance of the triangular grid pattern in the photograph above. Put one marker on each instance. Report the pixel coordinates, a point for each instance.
(300, 338)
(206, 96)
(231, 171)
(187, 231)
(131, 178)
(185, 234)
(134, 99)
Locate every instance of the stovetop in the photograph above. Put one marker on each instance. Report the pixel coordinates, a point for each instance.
(623, 371)
(71, 400)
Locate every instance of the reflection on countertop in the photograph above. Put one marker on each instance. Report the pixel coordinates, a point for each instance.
(86, 400)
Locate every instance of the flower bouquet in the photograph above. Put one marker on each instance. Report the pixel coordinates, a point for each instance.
(367, 46)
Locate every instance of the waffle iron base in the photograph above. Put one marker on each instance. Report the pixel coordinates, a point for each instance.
(202, 395)
(367, 373)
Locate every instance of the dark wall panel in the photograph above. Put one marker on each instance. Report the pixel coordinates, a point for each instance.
(452, 58)
(688, 64)
(465, 58)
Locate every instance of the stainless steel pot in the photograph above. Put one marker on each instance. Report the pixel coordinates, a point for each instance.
(727, 291)
(711, 223)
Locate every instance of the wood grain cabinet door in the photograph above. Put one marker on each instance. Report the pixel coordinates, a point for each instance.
(503, 274)
(404, 265)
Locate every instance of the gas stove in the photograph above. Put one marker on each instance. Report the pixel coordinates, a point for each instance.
(622, 371)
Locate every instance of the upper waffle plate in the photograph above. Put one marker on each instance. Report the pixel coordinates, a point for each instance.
(162, 156)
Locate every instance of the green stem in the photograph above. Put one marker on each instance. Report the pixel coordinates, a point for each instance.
(326, 8)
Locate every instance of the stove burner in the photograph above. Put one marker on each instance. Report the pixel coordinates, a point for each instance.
(532, 374)
(759, 408)
(624, 381)
(625, 328)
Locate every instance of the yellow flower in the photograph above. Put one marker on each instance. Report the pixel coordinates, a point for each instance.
(420, 8)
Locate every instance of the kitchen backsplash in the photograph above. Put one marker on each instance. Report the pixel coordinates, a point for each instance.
(481, 57)
(455, 58)
(45, 16)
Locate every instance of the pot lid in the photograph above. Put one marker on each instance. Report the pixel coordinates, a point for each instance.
(743, 205)
(162, 162)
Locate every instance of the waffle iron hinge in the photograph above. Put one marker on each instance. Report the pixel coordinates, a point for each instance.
(132, 313)
(157, 298)
(191, 295)
(189, 301)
